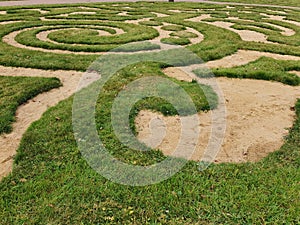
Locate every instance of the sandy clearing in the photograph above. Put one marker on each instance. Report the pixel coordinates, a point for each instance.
(3, 12)
(251, 134)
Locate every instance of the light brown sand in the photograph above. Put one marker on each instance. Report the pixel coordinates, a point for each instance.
(242, 57)
(258, 113)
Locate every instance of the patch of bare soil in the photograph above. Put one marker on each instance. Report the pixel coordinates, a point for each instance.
(257, 118)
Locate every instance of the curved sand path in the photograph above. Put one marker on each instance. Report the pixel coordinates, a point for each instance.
(32, 110)
(10, 40)
(258, 115)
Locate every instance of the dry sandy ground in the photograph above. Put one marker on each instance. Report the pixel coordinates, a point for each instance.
(258, 115)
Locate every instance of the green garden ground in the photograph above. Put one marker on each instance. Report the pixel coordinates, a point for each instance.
(254, 52)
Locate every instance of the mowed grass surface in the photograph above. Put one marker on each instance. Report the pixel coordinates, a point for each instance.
(217, 42)
(15, 91)
(52, 183)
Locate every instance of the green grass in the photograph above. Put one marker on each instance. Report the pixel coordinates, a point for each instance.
(184, 34)
(176, 41)
(173, 28)
(218, 42)
(52, 183)
(14, 91)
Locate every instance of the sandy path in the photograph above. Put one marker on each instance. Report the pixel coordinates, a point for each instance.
(252, 107)
(285, 31)
(242, 57)
(33, 109)
(246, 35)
(10, 40)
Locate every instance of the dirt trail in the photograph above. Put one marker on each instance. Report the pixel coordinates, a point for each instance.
(257, 118)
(242, 57)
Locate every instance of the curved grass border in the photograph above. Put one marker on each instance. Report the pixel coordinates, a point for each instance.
(14, 91)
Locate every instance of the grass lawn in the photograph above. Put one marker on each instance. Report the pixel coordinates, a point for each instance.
(14, 91)
(51, 183)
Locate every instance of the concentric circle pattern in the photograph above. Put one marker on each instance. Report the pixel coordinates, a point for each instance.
(97, 28)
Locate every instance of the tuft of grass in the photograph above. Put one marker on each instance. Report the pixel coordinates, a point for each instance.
(176, 41)
(184, 34)
(173, 28)
(14, 91)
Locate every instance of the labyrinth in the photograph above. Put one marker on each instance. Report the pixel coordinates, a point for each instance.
(251, 53)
